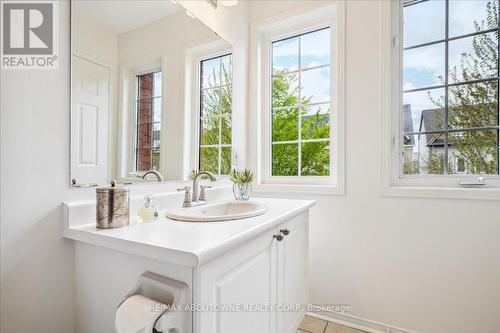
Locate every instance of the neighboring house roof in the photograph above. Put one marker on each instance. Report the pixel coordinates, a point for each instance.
(408, 125)
(432, 120)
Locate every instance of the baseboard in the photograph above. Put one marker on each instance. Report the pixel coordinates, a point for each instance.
(359, 323)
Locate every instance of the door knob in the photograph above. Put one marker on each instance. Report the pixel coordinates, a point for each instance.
(278, 237)
(285, 232)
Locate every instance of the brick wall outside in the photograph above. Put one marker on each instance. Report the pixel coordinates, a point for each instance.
(145, 128)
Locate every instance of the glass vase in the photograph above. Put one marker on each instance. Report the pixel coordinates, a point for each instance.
(242, 191)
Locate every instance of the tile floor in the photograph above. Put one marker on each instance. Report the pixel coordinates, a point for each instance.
(313, 325)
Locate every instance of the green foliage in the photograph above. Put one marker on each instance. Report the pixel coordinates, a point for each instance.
(285, 90)
(316, 126)
(285, 160)
(285, 124)
(479, 149)
(210, 159)
(242, 177)
(193, 173)
(156, 159)
(315, 157)
(435, 163)
(410, 167)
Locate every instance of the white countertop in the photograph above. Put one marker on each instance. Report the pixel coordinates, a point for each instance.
(187, 243)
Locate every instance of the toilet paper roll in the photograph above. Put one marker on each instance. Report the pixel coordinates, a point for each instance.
(138, 314)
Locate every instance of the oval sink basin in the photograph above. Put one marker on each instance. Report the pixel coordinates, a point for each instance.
(218, 211)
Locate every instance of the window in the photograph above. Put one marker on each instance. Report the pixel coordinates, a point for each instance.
(297, 91)
(215, 114)
(449, 117)
(148, 121)
(300, 104)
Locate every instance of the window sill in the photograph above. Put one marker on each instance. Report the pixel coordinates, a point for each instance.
(327, 190)
(411, 191)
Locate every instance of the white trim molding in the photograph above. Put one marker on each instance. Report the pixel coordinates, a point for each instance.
(359, 323)
(263, 33)
(391, 183)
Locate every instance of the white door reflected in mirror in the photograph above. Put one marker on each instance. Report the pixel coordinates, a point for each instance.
(89, 122)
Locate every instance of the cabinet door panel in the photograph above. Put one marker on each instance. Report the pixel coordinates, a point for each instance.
(292, 273)
(245, 276)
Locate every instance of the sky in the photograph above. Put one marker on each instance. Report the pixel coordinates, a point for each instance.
(425, 66)
(307, 51)
(211, 71)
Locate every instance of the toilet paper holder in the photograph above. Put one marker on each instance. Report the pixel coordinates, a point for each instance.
(169, 292)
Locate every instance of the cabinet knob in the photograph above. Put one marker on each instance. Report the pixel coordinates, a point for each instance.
(285, 232)
(278, 237)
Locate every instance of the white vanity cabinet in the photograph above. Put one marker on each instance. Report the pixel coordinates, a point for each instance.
(240, 278)
(260, 283)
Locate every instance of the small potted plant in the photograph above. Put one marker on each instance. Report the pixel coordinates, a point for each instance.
(242, 184)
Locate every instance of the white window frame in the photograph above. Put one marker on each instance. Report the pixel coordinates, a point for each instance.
(392, 182)
(219, 145)
(290, 25)
(194, 53)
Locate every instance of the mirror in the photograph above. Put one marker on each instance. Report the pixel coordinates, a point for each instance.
(151, 94)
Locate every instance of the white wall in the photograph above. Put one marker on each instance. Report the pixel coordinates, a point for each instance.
(36, 262)
(93, 42)
(428, 265)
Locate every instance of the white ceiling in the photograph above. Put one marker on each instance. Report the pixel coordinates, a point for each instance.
(119, 16)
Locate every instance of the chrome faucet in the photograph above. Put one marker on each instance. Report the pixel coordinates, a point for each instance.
(196, 190)
(158, 175)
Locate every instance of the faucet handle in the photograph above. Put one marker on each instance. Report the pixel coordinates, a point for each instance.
(203, 194)
(187, 198)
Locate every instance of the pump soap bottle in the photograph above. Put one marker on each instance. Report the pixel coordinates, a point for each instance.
(149, 212)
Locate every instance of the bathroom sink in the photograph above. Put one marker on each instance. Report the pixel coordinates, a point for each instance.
(218, 211)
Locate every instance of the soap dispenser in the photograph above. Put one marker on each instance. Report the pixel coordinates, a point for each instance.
(149, 212)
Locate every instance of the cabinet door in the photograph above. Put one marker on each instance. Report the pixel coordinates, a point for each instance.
(292, 287)
(244, 276)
